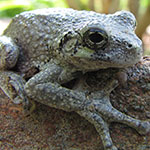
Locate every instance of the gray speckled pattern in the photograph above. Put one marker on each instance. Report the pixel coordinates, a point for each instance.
(42, 50)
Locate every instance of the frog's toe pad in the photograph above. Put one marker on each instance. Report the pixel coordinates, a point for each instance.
(112, 148)
(144, 127)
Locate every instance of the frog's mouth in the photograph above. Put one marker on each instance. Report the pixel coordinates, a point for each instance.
(84, 53)
(118, 61)
(92, 60)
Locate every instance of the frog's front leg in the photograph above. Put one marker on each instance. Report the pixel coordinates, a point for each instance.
(45, 87)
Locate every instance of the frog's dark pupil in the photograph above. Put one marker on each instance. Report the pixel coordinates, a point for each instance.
(96, 37)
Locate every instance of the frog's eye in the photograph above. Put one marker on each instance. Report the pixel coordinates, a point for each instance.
(95, 38)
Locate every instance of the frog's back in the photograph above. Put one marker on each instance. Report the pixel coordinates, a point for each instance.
(35, 31)
(39, 32)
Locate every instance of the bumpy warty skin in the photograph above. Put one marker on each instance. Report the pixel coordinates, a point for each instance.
(40, 34)
(42, 50)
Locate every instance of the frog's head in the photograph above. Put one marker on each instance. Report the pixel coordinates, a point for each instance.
(103, 42)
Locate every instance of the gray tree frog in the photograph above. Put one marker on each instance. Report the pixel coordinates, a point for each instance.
(42, 49)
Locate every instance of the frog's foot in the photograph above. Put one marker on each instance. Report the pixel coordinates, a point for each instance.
(16, 86)
(101, 127)
(101, 113)
(13, 86)
(9, 53)
(112, 115)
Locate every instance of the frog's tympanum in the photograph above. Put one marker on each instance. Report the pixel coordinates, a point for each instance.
(41, 50)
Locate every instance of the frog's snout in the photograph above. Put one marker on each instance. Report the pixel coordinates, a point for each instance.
(135, 47)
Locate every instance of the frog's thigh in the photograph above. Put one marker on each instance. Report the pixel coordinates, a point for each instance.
(101, 127)
(13, 86)
(45, 88)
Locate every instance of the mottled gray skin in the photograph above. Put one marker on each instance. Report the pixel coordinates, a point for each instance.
(43, 49)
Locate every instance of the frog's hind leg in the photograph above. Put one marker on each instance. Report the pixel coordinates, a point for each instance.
(101, 127)
(13, 86)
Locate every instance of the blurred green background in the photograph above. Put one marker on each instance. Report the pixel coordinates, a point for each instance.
(140, 8)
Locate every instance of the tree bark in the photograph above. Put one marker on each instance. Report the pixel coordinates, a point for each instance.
(51, 129)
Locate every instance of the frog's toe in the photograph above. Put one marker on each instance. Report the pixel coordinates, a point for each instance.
(112, 148)
(17, 100)
(16, 86)
(29, 108)
(19, 96)
(144, 127)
